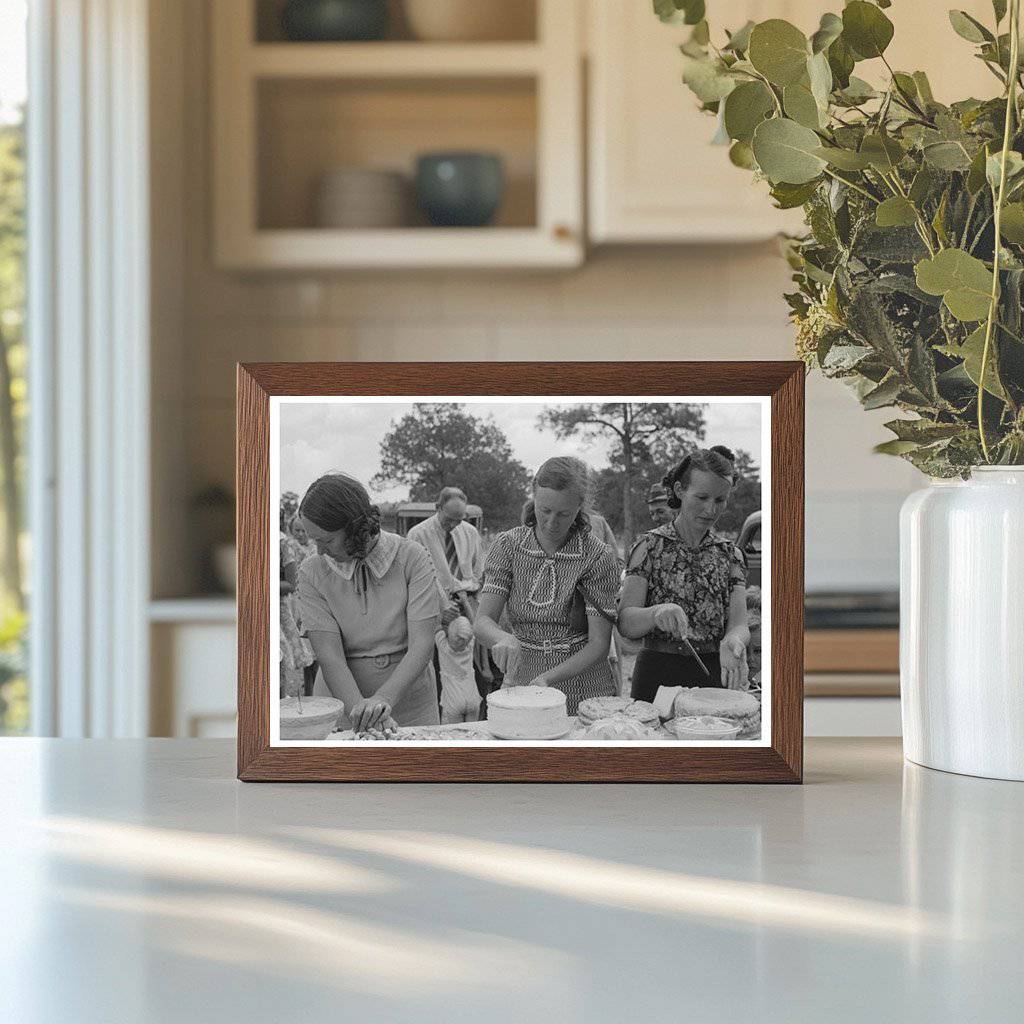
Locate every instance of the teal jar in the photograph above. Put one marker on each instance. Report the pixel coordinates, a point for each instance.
(460, 189)
(334, 21)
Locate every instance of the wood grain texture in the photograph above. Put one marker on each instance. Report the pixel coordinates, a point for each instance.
(782, 762)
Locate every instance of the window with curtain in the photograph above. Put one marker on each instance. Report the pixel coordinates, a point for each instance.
(14, 546)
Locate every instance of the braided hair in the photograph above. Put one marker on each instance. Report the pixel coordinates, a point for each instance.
(718, 460)
(339, 502)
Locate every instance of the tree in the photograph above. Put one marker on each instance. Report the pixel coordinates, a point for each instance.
(12, 349)
(438, 446)
(634, 428)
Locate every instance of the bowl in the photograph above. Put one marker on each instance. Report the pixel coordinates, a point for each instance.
(460, 189)
(359, 197)
(470, 20)
(311, 718)
(334, 21)
(703, 727)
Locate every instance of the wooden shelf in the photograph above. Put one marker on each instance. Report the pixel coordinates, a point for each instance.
(400, 248)
(284, 114)
(393, 60)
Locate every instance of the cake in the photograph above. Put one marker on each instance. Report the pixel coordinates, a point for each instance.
(527, 713)
(617, 727)
(735, 705)
(594, 708)
(308, 718)
(703, 727)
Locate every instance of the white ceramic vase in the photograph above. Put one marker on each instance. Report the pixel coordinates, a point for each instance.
(962, 624)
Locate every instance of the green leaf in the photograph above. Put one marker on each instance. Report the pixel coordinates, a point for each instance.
(922, 185)
(866, 29)
(971, 351)
(976, 173)
(883, 395)
(895, 212)
(993, 166)
(947, 156)
(1011, 225)
(829, 30)
(840, 61)
(701, 34)
(999, 9)
(690, 12)
(844, 159)
(857, 91)
(924, 88)
(739, 41)
(786, 151)
(745, 108)
(779, 51)
(801, 106)
(969, 28)
(820, 76)
(963, 281)
(923, 431)
(707, 78)
(788, 197)
(895, 447)
(741, 155)
(883, 152)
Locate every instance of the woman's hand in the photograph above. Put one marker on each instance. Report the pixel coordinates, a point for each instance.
(506, 654)
(733, 655)
(671, 619)
(369, 713)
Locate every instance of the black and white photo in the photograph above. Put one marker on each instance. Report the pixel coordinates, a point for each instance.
(525, 570)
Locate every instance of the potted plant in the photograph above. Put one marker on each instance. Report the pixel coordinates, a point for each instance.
(909, 286)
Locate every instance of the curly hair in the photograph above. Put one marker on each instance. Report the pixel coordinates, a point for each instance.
(338, 502)
(563, 473)
(717, 459)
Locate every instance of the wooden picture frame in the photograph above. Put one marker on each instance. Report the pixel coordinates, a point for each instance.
(779, 760)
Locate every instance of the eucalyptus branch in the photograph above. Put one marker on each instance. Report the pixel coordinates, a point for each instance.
(1011, 109)
(853, 185)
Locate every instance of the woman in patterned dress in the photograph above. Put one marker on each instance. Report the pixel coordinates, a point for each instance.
(542, 575)
(684, 581)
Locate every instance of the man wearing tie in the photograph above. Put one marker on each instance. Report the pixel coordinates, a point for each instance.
(455, 549)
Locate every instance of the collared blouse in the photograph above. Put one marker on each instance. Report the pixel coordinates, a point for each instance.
(540, 589)
(700, 580)
(369, 602)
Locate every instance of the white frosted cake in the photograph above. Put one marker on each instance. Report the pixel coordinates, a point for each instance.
(527, 713)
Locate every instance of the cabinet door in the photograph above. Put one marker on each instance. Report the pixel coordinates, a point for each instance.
(654, 176)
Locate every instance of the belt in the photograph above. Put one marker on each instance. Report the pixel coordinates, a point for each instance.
(566, 643)
(379, 660)
(675, 647)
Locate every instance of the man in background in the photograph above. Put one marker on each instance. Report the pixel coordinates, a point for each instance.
(657, 505)
(455, 549)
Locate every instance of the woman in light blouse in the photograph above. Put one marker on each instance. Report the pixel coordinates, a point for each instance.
(685, 582)
(369, 604)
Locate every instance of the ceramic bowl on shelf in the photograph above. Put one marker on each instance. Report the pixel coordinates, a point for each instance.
(460, 189)
(334, 21)
(470, 20)
(362, 197)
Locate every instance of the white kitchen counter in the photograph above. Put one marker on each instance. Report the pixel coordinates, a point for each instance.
(140, 882)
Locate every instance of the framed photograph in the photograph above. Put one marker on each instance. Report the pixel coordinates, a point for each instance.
(518, 572)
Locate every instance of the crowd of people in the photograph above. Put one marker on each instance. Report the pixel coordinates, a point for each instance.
(420, 628)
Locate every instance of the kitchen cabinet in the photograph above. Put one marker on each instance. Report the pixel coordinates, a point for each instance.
(653, 175)
(285, 114)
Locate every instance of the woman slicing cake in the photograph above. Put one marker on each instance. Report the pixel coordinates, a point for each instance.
(543, 574)
(685, 586)
(369, 604)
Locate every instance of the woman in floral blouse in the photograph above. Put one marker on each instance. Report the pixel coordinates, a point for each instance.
(685, 582)
(543, 575)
